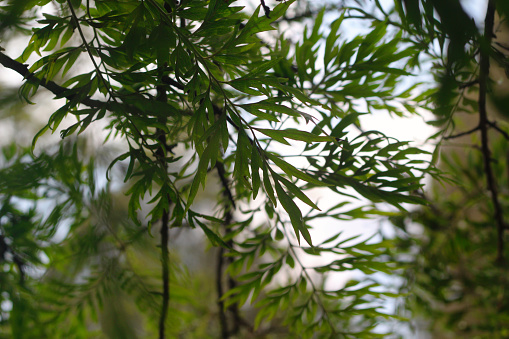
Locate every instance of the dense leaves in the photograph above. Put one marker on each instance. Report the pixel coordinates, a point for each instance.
(457, 249)
(190, 89)
(454, 281)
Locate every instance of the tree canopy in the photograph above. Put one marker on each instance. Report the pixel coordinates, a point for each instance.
(229, 122)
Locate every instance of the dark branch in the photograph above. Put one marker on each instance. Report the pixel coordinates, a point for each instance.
(59, 91)
(484, 123)
(229, 206)
(223, 324)
(161, 154)
(165, 263)
(169, 81)
(502, 46)
(501, 131)
(469, 84)
(463, 133)
(63, 92)
(265, 8)
(226, 185)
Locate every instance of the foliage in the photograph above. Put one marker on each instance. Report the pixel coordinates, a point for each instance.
(454, 281)
(458, 255)
(194, 89)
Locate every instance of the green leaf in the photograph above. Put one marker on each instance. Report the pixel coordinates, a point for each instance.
(214, 238)
(256, 112)
(294, 214)
(244, 149)
(256, 163)
(268, 186)
(294, 134)
(292, 171)
(200, 176)
(331, 39)
(295, 190)
(345, 122)
(38, 135)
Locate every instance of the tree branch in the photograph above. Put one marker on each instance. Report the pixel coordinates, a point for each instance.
(161, 154)
(266, 8)
(223, 324)
(62, 92)
(69, 93)
(59, 91)
(484, 123)
(468, 84)
(462, 133)
(165, 263)
(501, 131)
(228, 217)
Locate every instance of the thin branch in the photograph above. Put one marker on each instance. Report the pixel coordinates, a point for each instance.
(98, 71)
(223, 324)
(169, 81)
(69, 94)
(463, 133)
(161, 155)
(325, 312)
(484, 123)
(230, 206)
(87, 47)
(51, 86)
(165, 263)
(499, 44)
(265, 8)
(64, 92)
(226, 185)
(468, 84)
(501, 131)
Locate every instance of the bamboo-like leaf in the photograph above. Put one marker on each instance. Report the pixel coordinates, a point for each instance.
(293, 171)
(295, 134)
(294, 213)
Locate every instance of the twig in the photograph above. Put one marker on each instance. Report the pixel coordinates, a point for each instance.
(230, 206)
(501, 131)
(64, 92)
(87, 47)
(169, 81)
(469, 84)
(462, 133)
(51, 86)
(484, 123)
(161, 153)
(502, 46)
(324, 311)
(226, 185)
(265, 8)
(165, 263)
(223, 324)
